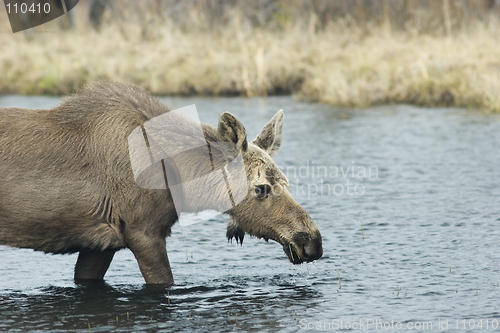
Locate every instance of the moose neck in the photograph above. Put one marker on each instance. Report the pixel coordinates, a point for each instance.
(202, 178)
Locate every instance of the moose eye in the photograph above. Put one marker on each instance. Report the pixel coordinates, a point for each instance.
(262, 191)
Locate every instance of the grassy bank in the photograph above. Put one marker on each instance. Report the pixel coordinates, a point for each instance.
(341, 64)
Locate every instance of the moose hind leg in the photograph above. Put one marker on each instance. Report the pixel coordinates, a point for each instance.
(92, 265)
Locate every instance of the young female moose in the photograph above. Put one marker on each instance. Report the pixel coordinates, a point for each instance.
(66, 185)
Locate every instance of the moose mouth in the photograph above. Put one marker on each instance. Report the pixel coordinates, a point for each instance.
(303, 248)
(292, 253)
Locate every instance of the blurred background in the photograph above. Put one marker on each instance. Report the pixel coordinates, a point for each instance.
(352, 53)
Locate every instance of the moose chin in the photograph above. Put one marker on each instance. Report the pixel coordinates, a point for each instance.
(67, 183)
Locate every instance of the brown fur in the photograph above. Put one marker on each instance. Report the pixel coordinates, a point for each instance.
(66, 185)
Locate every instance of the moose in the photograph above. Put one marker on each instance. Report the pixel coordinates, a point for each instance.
(67, 185)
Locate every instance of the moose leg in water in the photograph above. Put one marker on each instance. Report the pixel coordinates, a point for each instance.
(151, 255)
(92, 264)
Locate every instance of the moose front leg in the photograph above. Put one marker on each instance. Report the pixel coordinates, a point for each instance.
(151, 255)
(92, 265)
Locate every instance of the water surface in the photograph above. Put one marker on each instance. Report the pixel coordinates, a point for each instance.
(408, 203)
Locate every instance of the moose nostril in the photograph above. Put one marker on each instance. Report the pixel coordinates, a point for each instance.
(305, 253)
(309, 251)
(312, 250)
(310, 244)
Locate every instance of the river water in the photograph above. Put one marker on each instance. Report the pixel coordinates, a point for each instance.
(408, 203)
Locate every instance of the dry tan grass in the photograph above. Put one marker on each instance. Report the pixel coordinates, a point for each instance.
(338, 65)
(460, 71)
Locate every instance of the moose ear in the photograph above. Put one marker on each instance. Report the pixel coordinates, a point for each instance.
(232, 135)
(270, 137)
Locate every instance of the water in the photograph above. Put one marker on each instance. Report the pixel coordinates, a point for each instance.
(412, 232)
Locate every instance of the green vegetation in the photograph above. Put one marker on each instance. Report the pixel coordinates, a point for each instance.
(431, 53)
